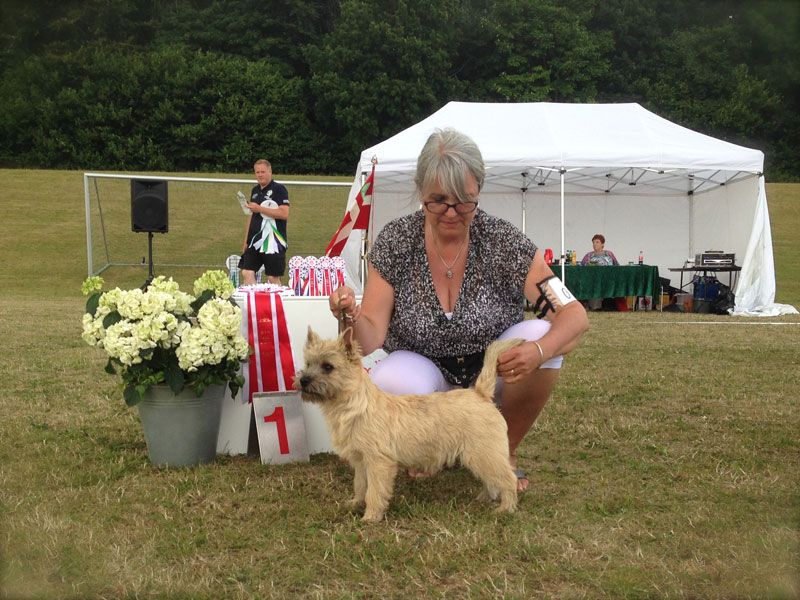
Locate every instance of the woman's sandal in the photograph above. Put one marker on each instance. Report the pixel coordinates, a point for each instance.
(521, 477)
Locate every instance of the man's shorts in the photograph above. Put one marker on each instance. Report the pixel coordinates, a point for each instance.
(274, 264)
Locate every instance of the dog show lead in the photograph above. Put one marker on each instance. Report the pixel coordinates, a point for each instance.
(435, 308)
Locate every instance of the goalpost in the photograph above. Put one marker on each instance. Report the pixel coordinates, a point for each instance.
(211, 202)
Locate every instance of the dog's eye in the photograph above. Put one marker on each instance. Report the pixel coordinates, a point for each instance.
(327, 367)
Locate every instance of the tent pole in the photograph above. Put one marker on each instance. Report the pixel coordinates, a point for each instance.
(524, 189)
(563, 257)
(691, 218)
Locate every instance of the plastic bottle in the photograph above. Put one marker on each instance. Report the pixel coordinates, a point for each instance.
(641, 258)
(574, 258)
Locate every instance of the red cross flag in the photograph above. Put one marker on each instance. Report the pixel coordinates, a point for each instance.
(356, 218)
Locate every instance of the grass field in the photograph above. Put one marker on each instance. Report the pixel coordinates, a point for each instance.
(665, 466)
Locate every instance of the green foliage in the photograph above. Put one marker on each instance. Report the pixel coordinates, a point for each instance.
(383, 66)
(533, 51)
(171, 109)
(204, 85)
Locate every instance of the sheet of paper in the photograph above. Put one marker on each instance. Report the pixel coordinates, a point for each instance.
(243, 202)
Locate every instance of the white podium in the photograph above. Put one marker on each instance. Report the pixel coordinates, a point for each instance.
(300, 311)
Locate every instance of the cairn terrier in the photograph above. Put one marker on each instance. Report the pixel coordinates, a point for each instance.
(379, 433)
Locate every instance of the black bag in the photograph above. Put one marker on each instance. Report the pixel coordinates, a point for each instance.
(724, 301)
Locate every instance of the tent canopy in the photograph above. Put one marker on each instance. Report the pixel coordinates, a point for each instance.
(644, 182)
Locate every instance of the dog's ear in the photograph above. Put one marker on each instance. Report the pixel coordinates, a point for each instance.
(349, 344)
(312, 337)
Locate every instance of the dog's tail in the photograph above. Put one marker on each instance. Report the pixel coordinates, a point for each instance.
(487, 378)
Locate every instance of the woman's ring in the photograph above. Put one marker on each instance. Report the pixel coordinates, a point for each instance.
(512, 371)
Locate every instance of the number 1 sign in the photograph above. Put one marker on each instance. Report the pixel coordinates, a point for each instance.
(280, 427)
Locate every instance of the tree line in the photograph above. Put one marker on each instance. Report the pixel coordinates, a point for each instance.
(207, 85)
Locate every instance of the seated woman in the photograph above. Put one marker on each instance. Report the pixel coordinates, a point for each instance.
(598, 256)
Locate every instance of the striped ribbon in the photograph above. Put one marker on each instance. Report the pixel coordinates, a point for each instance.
(271, 367)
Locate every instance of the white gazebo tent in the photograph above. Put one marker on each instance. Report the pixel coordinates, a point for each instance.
(563, 172)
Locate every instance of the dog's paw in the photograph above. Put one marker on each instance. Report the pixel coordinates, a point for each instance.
(372, 516)
(354, 503)
(487, 496)
(507, 509)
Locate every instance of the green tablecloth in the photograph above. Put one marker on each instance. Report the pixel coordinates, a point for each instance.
(611, 282)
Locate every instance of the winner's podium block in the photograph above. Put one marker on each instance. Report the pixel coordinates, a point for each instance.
(300, 312)
(281, 428)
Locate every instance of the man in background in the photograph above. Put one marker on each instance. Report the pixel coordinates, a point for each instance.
(265, 236)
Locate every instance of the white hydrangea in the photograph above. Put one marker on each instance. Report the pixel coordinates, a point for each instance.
(220, 316)
(159, 329)
(216, 281)
(155, 318)
(123, 342)
(239, 348)
(182, 303)
(129, 305)
(201, 347)
(174, 300)
(111, 299)
(162, 284)
(154, 302)
(175, 336)
(93, 330)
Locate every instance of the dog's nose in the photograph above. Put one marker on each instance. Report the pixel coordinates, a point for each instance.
(304, 381)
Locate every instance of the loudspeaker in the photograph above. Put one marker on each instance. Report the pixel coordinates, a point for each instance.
(149, 206)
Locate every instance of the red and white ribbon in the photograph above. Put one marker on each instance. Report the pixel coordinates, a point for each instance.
(271, 366)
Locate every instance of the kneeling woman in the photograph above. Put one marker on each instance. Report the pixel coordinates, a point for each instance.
(446, 281)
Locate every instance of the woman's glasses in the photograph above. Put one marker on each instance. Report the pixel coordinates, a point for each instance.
(439, 208)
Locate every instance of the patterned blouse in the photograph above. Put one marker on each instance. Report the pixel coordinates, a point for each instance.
(606, 257)
(489, 302)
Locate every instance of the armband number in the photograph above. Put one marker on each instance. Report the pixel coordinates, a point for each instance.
(554, 296)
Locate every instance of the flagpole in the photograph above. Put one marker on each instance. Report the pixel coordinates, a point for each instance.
(366, 237)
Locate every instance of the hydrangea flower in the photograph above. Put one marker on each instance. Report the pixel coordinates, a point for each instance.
(92, 285)
(220, 316)
(217, 282)
(153, 330)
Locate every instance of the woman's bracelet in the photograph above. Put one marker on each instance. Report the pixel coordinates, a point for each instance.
(540, 349)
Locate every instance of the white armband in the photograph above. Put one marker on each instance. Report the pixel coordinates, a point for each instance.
(554, 296)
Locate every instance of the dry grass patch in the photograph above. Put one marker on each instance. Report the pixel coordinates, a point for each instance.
(665, 466)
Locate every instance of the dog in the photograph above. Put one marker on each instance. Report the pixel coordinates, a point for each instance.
(378, 433)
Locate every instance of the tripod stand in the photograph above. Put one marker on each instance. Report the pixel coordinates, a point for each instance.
(150, 260)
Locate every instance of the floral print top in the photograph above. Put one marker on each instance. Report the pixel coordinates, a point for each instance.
(489, 302)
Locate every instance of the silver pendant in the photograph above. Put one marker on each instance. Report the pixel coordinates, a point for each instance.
(449, 274)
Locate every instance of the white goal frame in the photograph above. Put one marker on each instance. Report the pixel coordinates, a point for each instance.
(95, 176)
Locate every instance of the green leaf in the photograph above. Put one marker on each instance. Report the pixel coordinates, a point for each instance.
(111, 318)
(93, 302)
(110, 367)
(174, 379)
(132, 395)
(204, 297)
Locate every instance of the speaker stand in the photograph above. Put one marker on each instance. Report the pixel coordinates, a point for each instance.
(150, 261)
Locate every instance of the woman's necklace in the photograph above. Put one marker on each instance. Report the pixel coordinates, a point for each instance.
(439, 254)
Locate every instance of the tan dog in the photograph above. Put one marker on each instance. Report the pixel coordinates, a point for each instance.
(378, 433)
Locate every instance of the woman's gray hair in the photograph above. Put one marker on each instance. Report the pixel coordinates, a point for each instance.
(446, 157)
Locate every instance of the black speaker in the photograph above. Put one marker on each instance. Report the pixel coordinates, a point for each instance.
(149, 206)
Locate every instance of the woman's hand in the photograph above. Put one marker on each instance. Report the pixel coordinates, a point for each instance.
(517, 363)
(345, 298)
